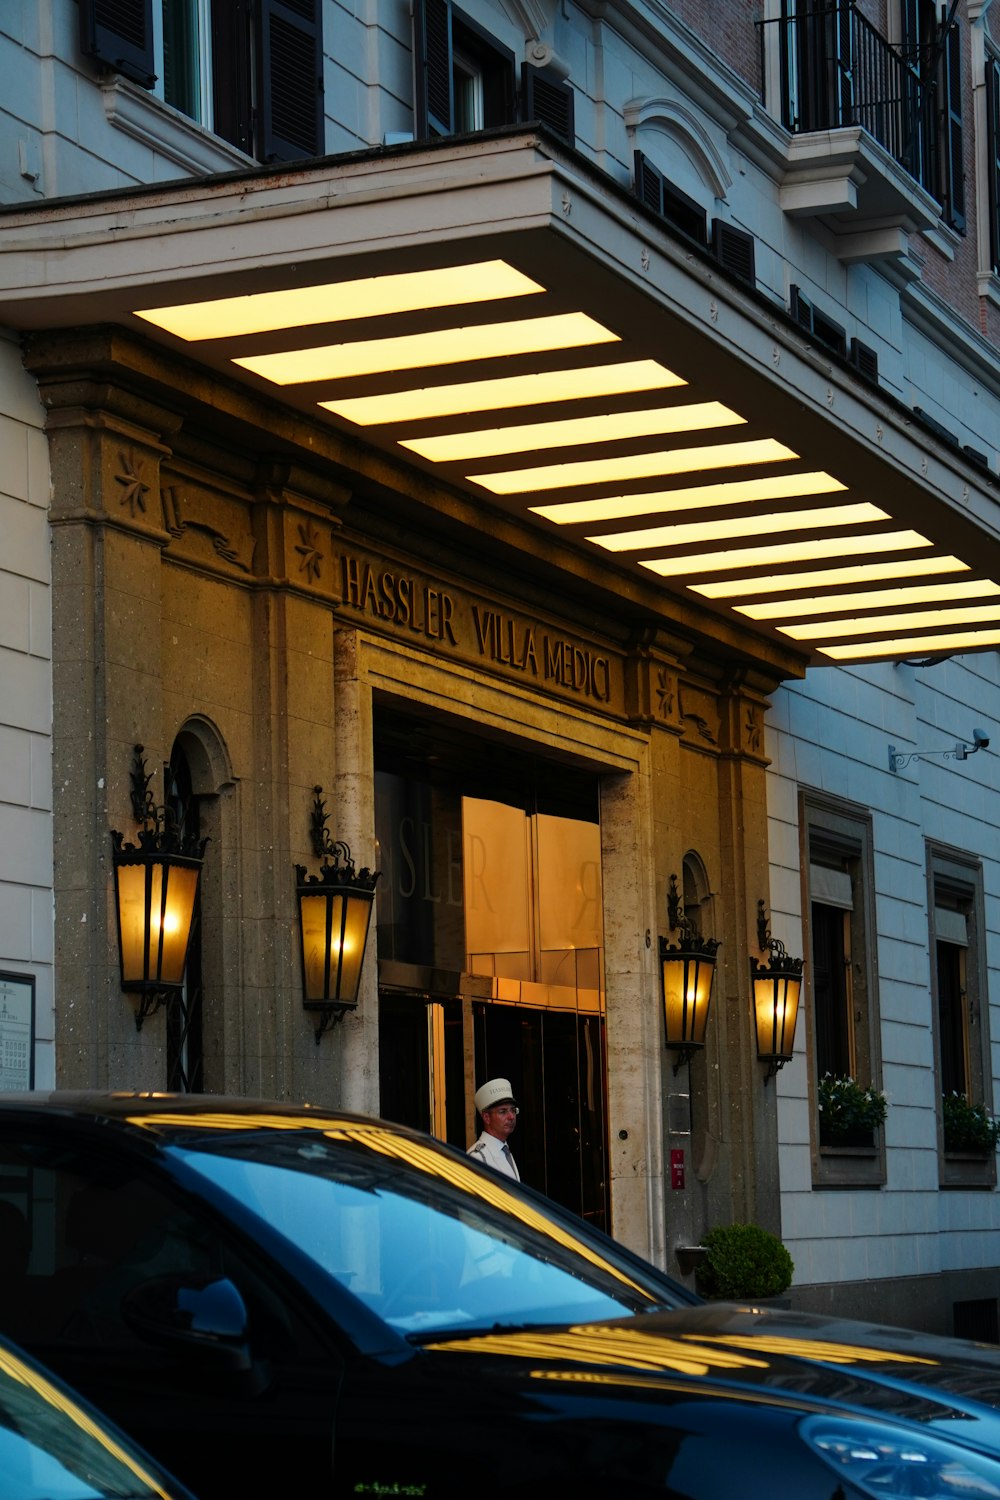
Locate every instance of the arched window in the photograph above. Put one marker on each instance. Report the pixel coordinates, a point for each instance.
(185, 1056)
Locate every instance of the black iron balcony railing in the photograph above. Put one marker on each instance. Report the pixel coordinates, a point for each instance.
(837, 70)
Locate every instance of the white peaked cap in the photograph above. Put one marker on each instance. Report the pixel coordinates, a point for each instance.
(496, 1091)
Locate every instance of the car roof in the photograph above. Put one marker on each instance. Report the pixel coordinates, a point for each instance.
(148, 1107)
(148, 1119)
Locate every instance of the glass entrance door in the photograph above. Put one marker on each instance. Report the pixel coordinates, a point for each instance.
(491, 950)
(554, 1059)
(555, 1062)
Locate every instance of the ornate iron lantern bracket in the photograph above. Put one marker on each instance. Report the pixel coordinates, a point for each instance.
(687, 971)
(335, 910)
(777, 988)
(156, 886)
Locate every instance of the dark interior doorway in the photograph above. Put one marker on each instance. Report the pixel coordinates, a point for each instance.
(490, 947)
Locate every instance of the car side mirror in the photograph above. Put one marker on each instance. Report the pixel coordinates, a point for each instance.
(206, 1315)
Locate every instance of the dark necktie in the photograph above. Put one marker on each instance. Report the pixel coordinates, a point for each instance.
(510, 1160)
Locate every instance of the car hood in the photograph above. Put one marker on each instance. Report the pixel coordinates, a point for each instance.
(762, 1354)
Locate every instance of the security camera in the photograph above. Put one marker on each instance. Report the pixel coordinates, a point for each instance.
(980, 740)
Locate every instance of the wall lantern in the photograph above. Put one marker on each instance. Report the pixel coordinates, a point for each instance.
(156, 885)
(335, 909)
(688, 969)
(776, 991)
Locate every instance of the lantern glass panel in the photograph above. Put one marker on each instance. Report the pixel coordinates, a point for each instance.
(776, 1008)
(313, 912)
(155, 907)
(174, 915)
(355, 936)
(687, 990)
(334, 935)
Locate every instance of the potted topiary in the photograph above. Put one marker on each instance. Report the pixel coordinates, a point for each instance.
(849, 1112)
(968, 1127)
(742, 1262)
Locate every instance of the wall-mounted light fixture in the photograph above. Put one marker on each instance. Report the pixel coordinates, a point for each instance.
(335, 909)
(777, 988)
(687, 972)
(156, 885)
(961, 750)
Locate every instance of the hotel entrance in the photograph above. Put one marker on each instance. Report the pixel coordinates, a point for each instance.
(490, 933)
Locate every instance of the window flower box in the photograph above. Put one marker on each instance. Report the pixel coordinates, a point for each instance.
(849, 1112)
(969, 1129)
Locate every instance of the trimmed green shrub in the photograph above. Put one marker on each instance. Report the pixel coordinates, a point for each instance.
(743, 1261)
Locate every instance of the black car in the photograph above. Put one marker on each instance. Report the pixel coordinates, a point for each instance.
(54, 1446)
(293, 1302)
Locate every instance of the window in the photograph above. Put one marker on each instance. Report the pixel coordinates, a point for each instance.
(184, 1046)
(465, 79)
(835, 69)
(251, 74)
(105, 1237)
(961, 1010)
(184, 45)
(842, 996)
(992, 80)
(934, 54)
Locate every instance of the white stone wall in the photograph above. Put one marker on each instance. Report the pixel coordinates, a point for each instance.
(25, 699)
(832, 732)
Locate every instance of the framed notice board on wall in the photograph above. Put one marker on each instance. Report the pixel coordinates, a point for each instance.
(17, 1032)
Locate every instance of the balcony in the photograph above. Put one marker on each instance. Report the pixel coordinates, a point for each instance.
(864, 127)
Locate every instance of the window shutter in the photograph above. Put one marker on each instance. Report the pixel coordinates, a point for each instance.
(800, 308)
(432, 50)
(680, 211)
(648, 183)
(499, 85)
(952, 164)
(232, 72)
(735, 251)
(290, 101)
(548, 99)
(864, 359)
(993, 126)
(120, 34)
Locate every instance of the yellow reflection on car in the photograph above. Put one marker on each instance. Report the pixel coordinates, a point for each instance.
(415, 1153)
(829, 1353)
(16, 1370)
(602, 1345)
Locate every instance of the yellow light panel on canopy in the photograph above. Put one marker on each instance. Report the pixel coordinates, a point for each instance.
(419, 350)
(696, 497)
(567, 433)
(506, 393)
(738, 526)
(336, 301)
(634, 466)
(924, 593)
(924, 645)
(912, 567)
(920, 619)
(782, 552)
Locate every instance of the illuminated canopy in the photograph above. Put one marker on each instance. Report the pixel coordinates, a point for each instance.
(506, 321)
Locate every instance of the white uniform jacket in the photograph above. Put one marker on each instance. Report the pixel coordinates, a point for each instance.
(489, 1151)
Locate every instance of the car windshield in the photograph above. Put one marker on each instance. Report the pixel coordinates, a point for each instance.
(53, 1449)
(424, 1240)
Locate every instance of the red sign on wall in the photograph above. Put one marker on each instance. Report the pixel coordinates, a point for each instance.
(677, 1168)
